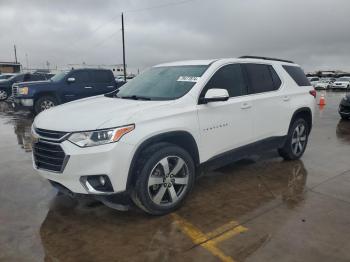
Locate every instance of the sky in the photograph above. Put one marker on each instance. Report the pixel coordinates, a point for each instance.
(314, 34)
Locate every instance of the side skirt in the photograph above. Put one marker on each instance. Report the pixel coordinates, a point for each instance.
(243, 152)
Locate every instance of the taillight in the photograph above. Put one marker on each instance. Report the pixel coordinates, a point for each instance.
(313, 93)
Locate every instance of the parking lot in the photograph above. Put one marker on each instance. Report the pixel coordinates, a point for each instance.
(258, 209)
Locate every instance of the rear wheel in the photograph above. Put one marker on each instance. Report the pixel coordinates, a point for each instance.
(3, 95)
(44, 103)
(165, 177)
(296, 142)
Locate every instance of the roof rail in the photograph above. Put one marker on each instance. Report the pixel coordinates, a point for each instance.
(266, 58)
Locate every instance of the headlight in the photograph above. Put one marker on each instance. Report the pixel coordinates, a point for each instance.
(23, 90)
(100, 137)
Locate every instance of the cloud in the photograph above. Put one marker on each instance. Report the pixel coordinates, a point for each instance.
(312, 33)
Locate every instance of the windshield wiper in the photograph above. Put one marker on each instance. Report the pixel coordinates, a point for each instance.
(134, 97)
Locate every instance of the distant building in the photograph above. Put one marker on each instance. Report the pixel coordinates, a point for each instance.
(10, 67)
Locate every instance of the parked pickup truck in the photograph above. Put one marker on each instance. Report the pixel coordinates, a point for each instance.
(63, 87)
(6, 84)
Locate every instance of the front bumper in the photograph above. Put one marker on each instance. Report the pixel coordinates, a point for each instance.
(339, 86)
(112, 160)
(344, 109)
(22, 103)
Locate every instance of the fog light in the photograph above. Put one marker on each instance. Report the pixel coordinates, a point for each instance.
(102, 180)
(97, 184)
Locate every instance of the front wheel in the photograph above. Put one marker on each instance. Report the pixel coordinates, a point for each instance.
(44, 103)
(165, 177)
(3, 95)
(296, 142)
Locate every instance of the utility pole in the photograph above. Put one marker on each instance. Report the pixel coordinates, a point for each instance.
(15, 53)
(124, 66)
(27, 62)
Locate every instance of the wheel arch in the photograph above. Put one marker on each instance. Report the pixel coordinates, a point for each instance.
(304, 112)
(46, 93)
(182, 139)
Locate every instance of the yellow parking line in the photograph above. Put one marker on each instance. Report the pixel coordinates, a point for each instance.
(209, 241)
(231, 233)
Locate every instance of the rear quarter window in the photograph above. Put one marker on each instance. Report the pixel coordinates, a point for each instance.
(262, 78)
(298, 75)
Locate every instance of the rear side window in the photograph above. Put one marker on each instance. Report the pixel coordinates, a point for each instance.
(102, 76)
(262, 78)
(298, 75)
(229, 77)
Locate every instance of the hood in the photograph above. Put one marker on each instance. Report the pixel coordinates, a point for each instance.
(34, 83)
(92, 113)
(5, 82)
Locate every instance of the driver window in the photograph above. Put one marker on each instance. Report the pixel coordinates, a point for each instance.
(229, 77)
(80, 76)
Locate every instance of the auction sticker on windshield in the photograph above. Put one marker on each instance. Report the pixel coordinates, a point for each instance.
(188, 79)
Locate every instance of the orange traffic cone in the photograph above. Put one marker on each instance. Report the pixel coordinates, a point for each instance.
(322, 100)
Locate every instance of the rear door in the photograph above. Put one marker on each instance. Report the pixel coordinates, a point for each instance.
(226, 125)
(271, 102)
(80, 88)
(103, 81)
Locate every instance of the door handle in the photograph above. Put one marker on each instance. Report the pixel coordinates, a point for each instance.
(88, 87)
(286, 98)
(110, 86)
(246, 106)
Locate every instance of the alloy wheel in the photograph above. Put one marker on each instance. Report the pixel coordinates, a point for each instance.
(46, 104)
(168, 181)
(299, 139)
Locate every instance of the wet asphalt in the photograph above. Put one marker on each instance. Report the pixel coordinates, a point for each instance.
(258, 209)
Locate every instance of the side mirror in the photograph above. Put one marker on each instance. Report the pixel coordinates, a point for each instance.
(215, 95)
(71, 80)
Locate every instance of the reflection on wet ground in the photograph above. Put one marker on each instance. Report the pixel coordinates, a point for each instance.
(290, 211)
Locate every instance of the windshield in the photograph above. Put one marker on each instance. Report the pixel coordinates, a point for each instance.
(58, 77)
(163, 83)
(344, 79)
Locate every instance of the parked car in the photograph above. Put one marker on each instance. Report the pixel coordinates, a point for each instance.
(344, 107)
(314, 80)
(149, 139)
(63, 87)
(342, 83)
(6, 76)
(325, 83)
(6, 84)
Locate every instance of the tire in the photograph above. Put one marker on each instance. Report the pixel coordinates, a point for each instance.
(44, 102)
(3, 95)
(344, 117)
(156, 186)
(296, 142)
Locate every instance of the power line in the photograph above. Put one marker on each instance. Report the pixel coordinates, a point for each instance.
(135, 11)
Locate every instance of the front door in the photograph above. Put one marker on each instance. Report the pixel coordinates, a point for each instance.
(225, 126)
(80, 88)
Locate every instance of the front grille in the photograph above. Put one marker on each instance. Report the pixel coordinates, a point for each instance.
(48, 134)
(49, 156)
(15, 91)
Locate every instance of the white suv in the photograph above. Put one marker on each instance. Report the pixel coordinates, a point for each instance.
(149, 140)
